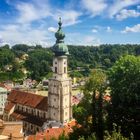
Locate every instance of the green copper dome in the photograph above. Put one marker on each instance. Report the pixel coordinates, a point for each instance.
(60, 48)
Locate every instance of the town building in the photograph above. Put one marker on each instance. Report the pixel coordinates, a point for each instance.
(41, 112)
(28, 107)
(3, 98)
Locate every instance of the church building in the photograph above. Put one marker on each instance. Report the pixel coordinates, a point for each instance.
(38, 112)
(60, 106)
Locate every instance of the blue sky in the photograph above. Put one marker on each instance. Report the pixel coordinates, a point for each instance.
(85, 22)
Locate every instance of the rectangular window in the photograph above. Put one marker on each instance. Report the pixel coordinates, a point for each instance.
(64, 69)
(55, 69)
(65, 113)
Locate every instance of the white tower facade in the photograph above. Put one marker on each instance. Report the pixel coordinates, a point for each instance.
(59, 92)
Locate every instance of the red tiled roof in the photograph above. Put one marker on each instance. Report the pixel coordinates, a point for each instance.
(54, 132)
(28, 99)
(107, 98)
(9, 106)
(13, 128)
(75, 100)
(50, 133)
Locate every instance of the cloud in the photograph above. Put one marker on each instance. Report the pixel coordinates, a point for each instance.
(25, 27)
(108, 29)
(118, 5)
(69, 17)
(52, 29)
(134, 29)
(76, 38)
(29, 12)
(2, 42)
(90, 40)
(127, 13)
(37, 10)
(94, 30)
(138, 7)
(17, 33)
(95, 7)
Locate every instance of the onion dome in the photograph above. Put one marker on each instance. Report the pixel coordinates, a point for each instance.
(60, 48)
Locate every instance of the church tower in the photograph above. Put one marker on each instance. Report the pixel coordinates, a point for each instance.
(59, 92)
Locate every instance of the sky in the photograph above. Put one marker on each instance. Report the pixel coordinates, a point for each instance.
(85, 22)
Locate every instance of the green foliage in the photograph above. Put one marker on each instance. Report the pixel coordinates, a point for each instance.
(6, 57)
(96, 81)
(39, 63)
(63, 137)
(124, 83)
(115, 135)
(103, 56)
(75, 74)
(89, 112)
(87, 57)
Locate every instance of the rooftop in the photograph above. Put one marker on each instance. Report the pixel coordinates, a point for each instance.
(14, 128)
(54, 132)
(28, 99)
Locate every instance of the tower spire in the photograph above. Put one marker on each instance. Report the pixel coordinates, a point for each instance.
(60, 23)
(60, 48)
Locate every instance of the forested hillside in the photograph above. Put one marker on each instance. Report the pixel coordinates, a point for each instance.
(20, 61)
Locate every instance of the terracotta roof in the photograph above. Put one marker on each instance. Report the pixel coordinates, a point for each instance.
(107, 98)
(75, 100)
(28, 99)
(15, 129)
(9, 106)
(54, 132)
(49, 134)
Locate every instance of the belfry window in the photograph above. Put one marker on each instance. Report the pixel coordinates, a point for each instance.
(64, 69)
(55, 69)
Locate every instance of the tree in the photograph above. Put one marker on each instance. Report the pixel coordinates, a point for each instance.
(6, 57)
(89, 113)
(115, 135)
(97, 85)
(124, 80)
(38, 63)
